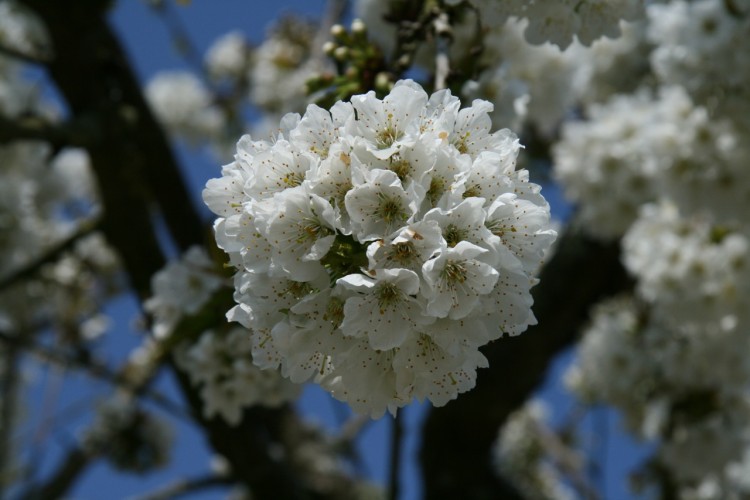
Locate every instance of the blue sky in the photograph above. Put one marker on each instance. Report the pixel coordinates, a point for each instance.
(151, 50)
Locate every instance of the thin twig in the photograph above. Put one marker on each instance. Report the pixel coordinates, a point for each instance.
(601, 422)
(472, 65)
(566, 461)
(395, 465)
(184, 487)
(443, 38)
(346, 437)
(183, 41)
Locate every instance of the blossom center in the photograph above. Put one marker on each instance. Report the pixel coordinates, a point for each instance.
(334, 312)
(389, 135)
(390, 209)
(312, 229)
(454, 235)
(454, 272)
(388, 295)
(403, 253)
(436, 190)
(400, 167)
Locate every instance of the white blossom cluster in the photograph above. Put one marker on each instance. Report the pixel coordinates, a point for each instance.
(683, 387)
(44, 195)
(378, 245)
(699, 46)
(673, 359)
(48, 200)
(666, 169)
(531, 83)
(694, 270)
(221, 364)
(180, 289)
(539, 85)
(610, 66)
(183, 103)
(610, 366)
(652, 147)
(562, 21)
(612, 148)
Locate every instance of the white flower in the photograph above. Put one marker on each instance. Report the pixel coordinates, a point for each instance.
(385, 308)
(523, 228)
(365, 379)
(392, 123)
(465, 222)
(300, 226)
(408, 248)
(276, 169)
(378, 205)
(456, 279)
(507, 308)
(427, 370)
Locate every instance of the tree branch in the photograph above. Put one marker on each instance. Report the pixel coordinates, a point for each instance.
(8, 392)
(397, 432)
(38, 128)
(52, 255)
(24, 56)
(68, 472)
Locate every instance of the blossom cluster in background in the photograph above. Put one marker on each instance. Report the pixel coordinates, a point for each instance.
(220, 360)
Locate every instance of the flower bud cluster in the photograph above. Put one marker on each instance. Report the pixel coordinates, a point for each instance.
(360, 65)
(380, 244)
